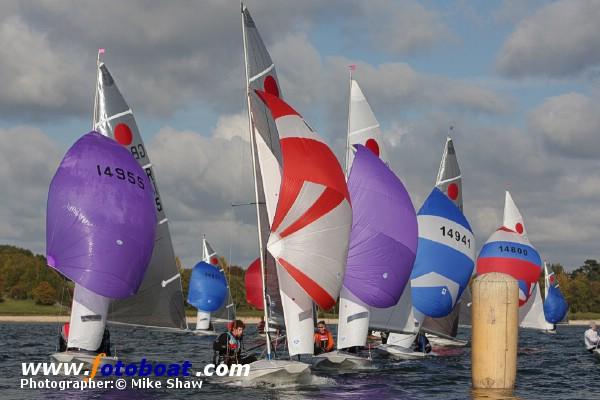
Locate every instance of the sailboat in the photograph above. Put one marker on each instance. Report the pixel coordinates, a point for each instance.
(509, 251)
(226, 313)
(159, 303)
(383, 239)
(445, 257)
(100, 232)
(303, 213)
(208, 289)
(555, 305)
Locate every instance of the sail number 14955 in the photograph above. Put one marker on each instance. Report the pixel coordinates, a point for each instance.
(456, 235)
(121, 174)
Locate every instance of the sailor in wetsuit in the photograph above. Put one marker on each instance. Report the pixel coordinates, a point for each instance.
(323, 339)
(422, 344)
(228, 346)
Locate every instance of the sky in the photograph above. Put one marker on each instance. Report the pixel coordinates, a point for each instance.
(518, 80)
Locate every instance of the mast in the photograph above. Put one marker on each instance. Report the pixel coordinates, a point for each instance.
(347, 167)
(252, 142)
(546, 279)
(95, 112)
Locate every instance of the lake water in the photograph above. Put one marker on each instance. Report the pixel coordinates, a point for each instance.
(550, 367)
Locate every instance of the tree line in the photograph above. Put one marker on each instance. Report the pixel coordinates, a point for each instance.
(24, 275)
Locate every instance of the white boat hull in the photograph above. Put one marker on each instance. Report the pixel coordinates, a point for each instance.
(444, 342)
(272, 373)
(204, 332)
(80, 357)
(340, 360)
(401, 352)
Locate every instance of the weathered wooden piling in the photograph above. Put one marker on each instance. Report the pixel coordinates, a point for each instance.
(495, 332)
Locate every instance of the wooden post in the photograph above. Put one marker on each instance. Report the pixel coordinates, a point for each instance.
(495, 333)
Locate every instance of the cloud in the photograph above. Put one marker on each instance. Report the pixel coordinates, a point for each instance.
(167, 56)
(569, 125)
(397, 27)
(559, 40)
(28, 159)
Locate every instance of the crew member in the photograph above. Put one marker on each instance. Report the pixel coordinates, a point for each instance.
(323, 339)
(228, 346)
(591, 337)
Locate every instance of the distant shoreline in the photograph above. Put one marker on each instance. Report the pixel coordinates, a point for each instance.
(190, 320)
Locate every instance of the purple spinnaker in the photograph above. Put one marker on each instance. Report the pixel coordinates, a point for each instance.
(100, 222)
(383, 241)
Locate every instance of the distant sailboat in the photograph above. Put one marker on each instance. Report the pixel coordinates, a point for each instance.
(446, 254)
(531, 314)
(226, 313)
(100, 231)
(509, 251)
(208, 292)
(159, 302)
(555, 305)
(383, 238)
(303, 214)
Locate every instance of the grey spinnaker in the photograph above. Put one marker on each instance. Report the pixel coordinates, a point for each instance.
(159, 301)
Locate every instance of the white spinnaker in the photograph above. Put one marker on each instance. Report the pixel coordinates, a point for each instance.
(88, 319)
(531, 314)
(202, 320)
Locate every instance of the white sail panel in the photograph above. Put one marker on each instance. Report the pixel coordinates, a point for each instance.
(353, 325)
(363, 127)
(298, 314)
(531, 314)
(88, 319)
(202, 320)
(512, 217)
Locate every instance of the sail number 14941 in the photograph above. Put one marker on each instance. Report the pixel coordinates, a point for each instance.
(456, 235)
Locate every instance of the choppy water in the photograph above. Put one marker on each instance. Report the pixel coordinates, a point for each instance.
(550, 367)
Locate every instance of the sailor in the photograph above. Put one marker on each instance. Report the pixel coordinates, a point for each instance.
(323, 339)
(228, 346)
(422, 343)
(261, 325)
(105, 344)
(591, 337)
(63, 338)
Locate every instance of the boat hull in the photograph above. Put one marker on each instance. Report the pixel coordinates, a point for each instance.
(272, 373)
(340, 360)
(204, 332)
(80, 357)
(445, 342)
(401, 352)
